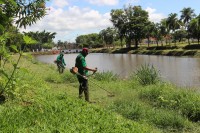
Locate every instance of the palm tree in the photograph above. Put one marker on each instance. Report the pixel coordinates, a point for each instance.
(186, 17)
(173, 22)
(164, 29)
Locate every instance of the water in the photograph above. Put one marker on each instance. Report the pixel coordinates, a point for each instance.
(182, 71)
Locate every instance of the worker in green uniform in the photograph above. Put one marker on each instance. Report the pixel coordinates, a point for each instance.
(60, 62)
(83, 70)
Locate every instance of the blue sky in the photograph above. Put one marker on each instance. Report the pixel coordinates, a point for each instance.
(70, 18)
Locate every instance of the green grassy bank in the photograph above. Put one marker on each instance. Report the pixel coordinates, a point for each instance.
(46, 101)
(192, 50)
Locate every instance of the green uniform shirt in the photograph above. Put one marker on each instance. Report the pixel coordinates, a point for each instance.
(80, 64)
(61, 59)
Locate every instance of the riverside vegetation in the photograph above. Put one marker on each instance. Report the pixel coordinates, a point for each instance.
(183, 49)
(42, 100)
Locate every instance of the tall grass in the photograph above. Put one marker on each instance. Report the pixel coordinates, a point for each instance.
(186, 102)
(106, 76)
(167, 120)
(147, 75)
(50, 112)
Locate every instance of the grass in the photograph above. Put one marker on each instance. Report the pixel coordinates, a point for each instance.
(46, 101)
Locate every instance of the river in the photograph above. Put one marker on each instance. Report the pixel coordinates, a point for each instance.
(182, 71)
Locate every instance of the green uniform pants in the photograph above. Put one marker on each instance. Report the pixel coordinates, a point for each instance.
(83, 87)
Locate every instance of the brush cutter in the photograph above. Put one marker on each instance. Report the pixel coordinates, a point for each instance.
(74, 70)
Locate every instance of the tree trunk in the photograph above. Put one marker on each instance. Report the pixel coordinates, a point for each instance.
(128, 43)
(148, 41)
(0, 60)
(121, 39)
(136, 43)
(175, 43)
(188, 39)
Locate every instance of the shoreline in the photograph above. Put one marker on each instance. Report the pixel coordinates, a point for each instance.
(188, 50)
(168, 52)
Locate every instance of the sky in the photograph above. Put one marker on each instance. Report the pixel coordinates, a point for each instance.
(71, 18)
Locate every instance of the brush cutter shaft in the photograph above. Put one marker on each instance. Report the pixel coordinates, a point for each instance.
(100, 87)
(74, 70)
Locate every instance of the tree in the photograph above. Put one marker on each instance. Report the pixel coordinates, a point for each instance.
(43, 38)
(149, 31)
(118, 19)
(131, 23)
(186, 16)
(157, 32)
(194, 27)
(173, 23)
(180, 34)
(90, 40)
(164, 30)
(24, 13)
(108, 35)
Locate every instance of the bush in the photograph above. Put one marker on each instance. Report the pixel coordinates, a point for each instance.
(183, 101)
(106, 76)
(147, 75)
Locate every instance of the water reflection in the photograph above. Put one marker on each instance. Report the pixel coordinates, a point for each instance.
(183, 71)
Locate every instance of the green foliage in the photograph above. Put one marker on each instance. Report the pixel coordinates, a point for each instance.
(26, 13)
(108, 35)
(40, 39)
(165, 96)
(60, 113)
(65, 77)
(90, 40)
(106, 76)
(54, 78)
(133, 109)
(169, 120)
(130, 22)
(129, 109)
(147, 75)
(41, 106)
(28, 40)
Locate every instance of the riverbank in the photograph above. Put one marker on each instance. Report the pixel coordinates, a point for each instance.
(46, 101)
(192, 50)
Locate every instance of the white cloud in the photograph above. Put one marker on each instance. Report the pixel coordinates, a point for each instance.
(153, 16)
(75, 20)
(104, 2)
(60, 3)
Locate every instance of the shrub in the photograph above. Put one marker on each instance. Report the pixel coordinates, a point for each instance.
(147, 75)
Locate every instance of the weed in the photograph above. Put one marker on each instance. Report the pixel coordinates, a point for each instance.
(106, 76)
(147, 75)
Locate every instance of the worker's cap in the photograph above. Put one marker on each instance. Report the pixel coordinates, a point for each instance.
(85, 50)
